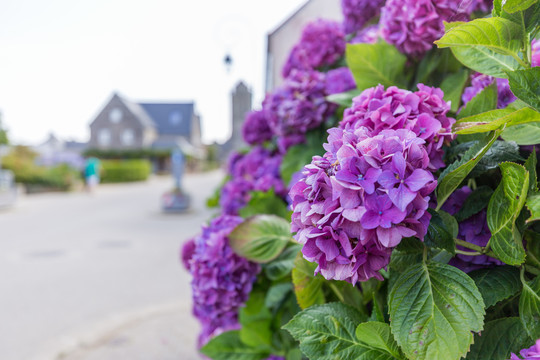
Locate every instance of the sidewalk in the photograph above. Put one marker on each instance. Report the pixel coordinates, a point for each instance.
(157, 334)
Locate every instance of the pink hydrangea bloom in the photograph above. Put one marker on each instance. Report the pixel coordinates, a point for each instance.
(357, 202)
(532, 353)
(256, 129)
(369, 35)
(357, 13)
(322, 44)
(423, 112)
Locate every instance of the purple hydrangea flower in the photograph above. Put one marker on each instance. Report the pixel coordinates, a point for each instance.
(413, 25)
(221, 281)
(258, 170)
(256, 129)
(423, 112)
(275, 357)
(474, 230)
(298, 106)
(186, 253)
(369, 35)
(480, 81)
(483, 5)
(358, 12)
(532, 353)
(322, 43)
(339, 80)
(535, 52)
(343, 212)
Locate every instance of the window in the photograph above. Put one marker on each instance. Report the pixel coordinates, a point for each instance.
(128, 137)
(115, 115)
(104, 137)
(175, 118)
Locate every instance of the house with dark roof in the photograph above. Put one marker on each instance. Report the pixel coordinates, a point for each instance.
(125, 125)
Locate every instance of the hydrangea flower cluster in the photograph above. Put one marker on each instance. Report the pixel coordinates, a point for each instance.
(221, 281)
(322, 43)
(480, 81)
(257, 170)
(532, 353)
(256, 129)
(535, 49)
(357, 202)
(413, 25)
(369, 35)
(474, 230)
(482, 5)
(339, 80)
(423, 112)
(357, 13)
(298, 106)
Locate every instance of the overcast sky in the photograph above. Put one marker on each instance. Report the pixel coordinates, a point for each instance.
(60, 60)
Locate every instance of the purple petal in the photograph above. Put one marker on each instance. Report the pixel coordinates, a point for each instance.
(418, 179)
(401, 197)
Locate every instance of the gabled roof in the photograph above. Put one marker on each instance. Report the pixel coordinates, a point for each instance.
(138, 111)
(170, 118)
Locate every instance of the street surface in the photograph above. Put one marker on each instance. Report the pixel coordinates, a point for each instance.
(76, 267)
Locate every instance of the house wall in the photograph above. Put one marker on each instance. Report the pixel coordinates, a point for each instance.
(281, 40)
(142, 137)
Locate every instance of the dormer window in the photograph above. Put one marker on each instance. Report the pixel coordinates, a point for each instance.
(175, 118)
(115, 115)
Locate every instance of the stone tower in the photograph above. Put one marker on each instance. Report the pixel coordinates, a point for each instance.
(241, 105)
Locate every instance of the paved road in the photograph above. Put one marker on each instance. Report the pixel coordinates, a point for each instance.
(76, 266)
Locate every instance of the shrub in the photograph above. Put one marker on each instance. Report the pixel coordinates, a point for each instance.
(114, 171)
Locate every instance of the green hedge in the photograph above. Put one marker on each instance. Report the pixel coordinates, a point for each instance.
(125, 170)
(127, 153)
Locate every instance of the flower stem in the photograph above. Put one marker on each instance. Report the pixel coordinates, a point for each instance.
(468, 253)
(479, 249)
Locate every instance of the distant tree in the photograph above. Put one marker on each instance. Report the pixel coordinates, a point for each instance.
(3, 133)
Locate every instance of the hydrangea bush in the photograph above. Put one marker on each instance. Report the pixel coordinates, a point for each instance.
(389, 208)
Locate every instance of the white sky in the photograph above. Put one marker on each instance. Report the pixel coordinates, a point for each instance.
(60, 60)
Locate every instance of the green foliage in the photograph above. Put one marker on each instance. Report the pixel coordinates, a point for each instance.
(496, 119)
(485, 100)
(512, 6)
(300, 155)
(442, 230)
(256, 320)
(525, 134)
(114, 171)
(453, 87)
(229, 346)
(308, 287)
(265, 202)
(282, 266)
(261, 238)
(530, 165)
(454, 174)
(378, 336)
(434, 310)
(127, 154)
(477, 201)
(503, 210)
(529, 307)
(328, 332)
(525, 84)
(374, 64)
(499, 339)
(343, 99)
(533, 204)
(487, 45)
(496, 284)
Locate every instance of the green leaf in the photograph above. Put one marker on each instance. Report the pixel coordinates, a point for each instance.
(377, 335)
(526, 134)
(282, 266)
(374, 64)
(343, 99)
(503, 210)
(533, 204)
(433, 310)
(525, 84)
(496, 284)
(261, 238)
(228, 346)
(477, 201)
(328, 332)
(499, 339)
(496, 119)
(452, 177)
(348, 294)
(256, 321)
(276, 294)
(440, 234)
(300, 155)
(486, 45)
(265, 202)
(485, 100)
(499, 152)
(529, 307)
(452, 86)
(530, 165)
(512, 6)
(307, 286)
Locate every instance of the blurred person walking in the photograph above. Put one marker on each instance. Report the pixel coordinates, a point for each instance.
(91, 173)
